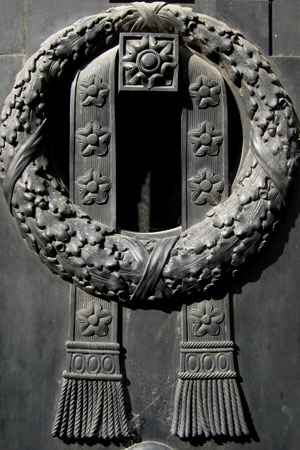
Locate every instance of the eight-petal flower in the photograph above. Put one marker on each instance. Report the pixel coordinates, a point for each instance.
(205, 139)
(93, 91)
(94, 319)
(93, 187)
(205, 319)
(149, 62)
(205, 92)
(93, 138)
(206, 187)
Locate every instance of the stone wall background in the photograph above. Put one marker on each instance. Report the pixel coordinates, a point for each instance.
(266, 299)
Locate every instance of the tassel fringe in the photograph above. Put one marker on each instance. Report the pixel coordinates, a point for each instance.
(208, 406)
(91, 409)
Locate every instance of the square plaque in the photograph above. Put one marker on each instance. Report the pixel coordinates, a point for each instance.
(148, 62)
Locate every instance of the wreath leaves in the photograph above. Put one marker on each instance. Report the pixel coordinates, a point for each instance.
(92, 255)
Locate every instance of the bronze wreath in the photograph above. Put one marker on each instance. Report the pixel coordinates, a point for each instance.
(98, 259)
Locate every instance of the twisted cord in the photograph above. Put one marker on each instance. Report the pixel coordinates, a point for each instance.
(66, 411)
(78, 416)
(210, 407)
(221, 407)
(111, 428)
(177, 402)
(116, 411)
(90, 408)
(104, 433)
(93, 376)
(228, 407)
(194, 409)
(206, 376)
(72, 409)
(236, 421)
(204, 403)
(189, 410)
(202, 424)
(243, 423)
(183, 408)
(60, 407)
(216, 410)
(95, 406)
(98, 407)
(85, 408)
(207, 344)
(93, 345)
(122, 409)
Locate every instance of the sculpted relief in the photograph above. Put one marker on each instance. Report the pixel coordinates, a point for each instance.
(148, 50)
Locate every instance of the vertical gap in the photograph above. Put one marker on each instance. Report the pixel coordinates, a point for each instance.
(72, 308)
(148, 160)
(228, 310)
(270, 27)
(183, 168)
(24, 47)
(184, 335)
(70, 180)
(113, 75)
(234, 137)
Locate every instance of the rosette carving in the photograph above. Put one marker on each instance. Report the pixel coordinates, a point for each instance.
(94, 319)
(93, 187)
(93, 139)
(205, 139)
(205, 92)
(206, 187)
(206, 319)
(149, 61)
(93, 91)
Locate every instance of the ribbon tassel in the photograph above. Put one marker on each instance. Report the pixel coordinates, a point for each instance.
(92, 401)
(207, 398)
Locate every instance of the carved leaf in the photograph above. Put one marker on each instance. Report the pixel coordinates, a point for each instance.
(53, 228)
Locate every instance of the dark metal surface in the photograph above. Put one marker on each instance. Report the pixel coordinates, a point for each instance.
(266, 317)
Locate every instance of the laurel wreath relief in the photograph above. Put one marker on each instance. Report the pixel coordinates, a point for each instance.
(97, 258)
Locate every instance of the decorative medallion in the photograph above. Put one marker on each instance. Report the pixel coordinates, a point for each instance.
(206, 187)
(205, 139)
(93, 187)
(206, 319)
(94, 319)
(93, 91)
(205, 92)
(93, 139)
(149, 61)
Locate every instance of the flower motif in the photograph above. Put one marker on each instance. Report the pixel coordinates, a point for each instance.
(205, 92)
(94, 319)
(93, 91)
(205, 319)
(149, 62)
(93, 187)
(206, 187)
(205, 139)
(93, 139)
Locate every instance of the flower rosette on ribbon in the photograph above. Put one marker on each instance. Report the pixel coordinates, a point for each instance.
(206, 319)
(94, 319)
